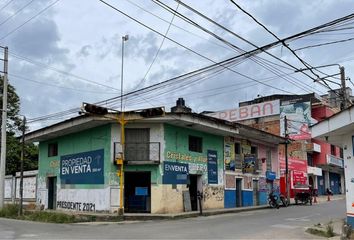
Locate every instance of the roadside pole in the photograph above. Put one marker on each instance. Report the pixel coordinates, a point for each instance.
(22, 163)
(286, 159)
(3, 130)
(122, 122)
(344, 99)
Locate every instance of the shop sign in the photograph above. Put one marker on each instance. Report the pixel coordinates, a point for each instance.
(299, 179)
(175, 173)
(270, 175)
(82, 168)
(212, 167)
(248, 112)
(314, 170)
(334, 160)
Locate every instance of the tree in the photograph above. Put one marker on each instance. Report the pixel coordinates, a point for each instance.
(13, 133)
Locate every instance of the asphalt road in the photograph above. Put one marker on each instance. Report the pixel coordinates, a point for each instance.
(284, 223)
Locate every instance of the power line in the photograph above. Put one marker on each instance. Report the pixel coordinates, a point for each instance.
(30, 19)
(284, 44)
(63, 72)
(324, 44)
(58, 86)
(189, 49)
(174, 25)
(224, 62)
(188, 20)
(3, 7)
(157, 53)
(17, 12)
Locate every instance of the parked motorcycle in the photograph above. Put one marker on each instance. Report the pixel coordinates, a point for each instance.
(284, 200)
(273, 200)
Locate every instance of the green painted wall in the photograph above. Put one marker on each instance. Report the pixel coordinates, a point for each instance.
(84, 141)
(177, 146)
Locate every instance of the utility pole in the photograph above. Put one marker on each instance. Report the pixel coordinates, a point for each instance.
(22, 162)
(286, 160)
(3, 130)
(344, 96)
(122, 123)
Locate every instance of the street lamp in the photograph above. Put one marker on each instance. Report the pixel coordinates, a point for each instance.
(122, 133)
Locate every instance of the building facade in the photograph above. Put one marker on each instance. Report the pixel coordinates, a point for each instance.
(169, 160)
(339, 130)
(311, 162)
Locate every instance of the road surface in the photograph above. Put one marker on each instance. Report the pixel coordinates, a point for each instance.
(283, 223)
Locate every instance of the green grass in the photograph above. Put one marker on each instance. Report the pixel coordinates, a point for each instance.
(49, 217)
(327, 232)
(316, 232)
(11, 211)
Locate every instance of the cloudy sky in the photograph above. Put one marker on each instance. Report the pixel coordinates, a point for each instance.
(70, 52)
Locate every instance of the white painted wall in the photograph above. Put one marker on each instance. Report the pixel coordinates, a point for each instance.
(88, 199)
(349, 172)
(29, 187)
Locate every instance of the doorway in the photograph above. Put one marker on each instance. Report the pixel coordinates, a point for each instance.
(52, 192)
(137, 192)
(195, 185)
(255, 193)
(238, 192)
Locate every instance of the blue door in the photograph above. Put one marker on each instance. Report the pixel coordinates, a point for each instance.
(321, 185)
(334, 182)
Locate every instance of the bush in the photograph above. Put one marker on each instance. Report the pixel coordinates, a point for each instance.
(10, 211)
(50, 217)
(329, 230)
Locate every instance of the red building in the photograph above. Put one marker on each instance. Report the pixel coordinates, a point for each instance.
(327, 157)
(311, 161)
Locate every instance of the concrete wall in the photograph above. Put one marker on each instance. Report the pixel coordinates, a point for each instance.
(349, 176)
(12, 187)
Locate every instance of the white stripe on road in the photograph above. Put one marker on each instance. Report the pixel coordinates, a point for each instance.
(284, 226)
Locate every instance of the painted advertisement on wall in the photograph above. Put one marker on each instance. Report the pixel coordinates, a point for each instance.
(212, 167)
(175, 173)
(83, 200)
(293, 164)
(82, 168)
(299, 120)
(249, 163)
(248, 112)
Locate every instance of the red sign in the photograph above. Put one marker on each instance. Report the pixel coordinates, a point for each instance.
(293, 164)
(298, 179)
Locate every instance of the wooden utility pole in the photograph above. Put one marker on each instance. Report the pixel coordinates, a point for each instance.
(3, 129)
